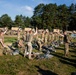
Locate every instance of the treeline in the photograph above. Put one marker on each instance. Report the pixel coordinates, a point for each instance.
(47, 16)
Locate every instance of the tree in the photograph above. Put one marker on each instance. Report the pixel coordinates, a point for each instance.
(73, 22)
(27, 22)
(49, 16)
(6, 21)
(63, 15)
(22, 21)
(72, 8)
(36, 19)
(19, 22)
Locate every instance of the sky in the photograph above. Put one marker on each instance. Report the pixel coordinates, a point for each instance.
(26, 7)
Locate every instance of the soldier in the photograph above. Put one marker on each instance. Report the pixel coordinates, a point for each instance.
(52, 37)
(24, 35)
(2, 36)
(49, 38)
(46, 36)
(29, 38)
(40, 41)
(21, 43)
(42, 36)
(66, 43)
(18, 34)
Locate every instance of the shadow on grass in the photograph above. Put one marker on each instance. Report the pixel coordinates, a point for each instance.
(45, 72)
(68, 62)
(59, 48)
(73, 55)
(65, 60)
(74, 51)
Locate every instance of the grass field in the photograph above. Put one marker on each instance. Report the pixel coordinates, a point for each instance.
(57, 65)
(10, 39)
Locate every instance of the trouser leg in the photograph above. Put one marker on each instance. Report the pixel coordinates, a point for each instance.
(39, 45)
(30, 49)
(25, 51)
(2, 43)
(66, 52)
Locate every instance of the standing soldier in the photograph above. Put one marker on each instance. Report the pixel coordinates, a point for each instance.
(42, 35)
(49, 38)
(18, 34)
(29, 38)
(24, 36)
(66, 43)
(56, 37)
(52, 37)
(46, 37)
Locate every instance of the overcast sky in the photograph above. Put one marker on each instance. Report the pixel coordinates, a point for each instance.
(26, 7)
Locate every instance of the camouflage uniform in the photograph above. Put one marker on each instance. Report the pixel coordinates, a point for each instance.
(40, 40)
(18, 34)
(29, 39)
(39, 43)
(52, 37)
(29, 45)
(66, 44)
(2, 37)
(42, 36)
(46, 38)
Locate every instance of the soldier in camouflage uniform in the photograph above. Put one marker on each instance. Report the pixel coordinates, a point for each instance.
(18, 34)
(29, 38)
(66, 43)
(2, 32)
(52, 36)
(46, 37)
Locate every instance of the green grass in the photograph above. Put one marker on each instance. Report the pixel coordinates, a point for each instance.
(10, 39)
(19, 65)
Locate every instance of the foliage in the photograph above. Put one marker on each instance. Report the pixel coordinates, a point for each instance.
(46, 16)
(19, 21)
(5, 21)
(51, 16)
